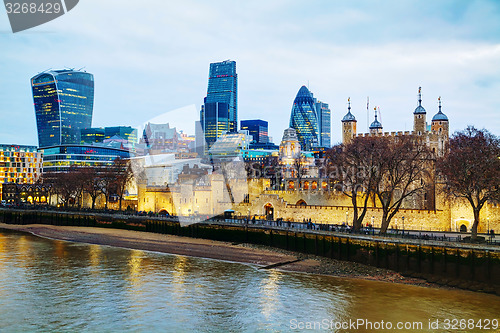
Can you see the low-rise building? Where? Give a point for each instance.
(19, 164)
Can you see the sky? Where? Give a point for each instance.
(150, 60)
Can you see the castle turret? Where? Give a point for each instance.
(376, 126)
(440, 123)
(348, 125)
(440, 126)
(419, 116)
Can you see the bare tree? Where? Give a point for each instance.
(355, 168)
(63, 184)
(92, 183)
(403, 166)
(300, 166)
(471, 169)
(123, 176)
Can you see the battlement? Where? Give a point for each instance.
(386, 134)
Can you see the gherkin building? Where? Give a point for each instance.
(304, 119)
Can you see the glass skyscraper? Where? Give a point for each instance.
(214, 119)
(323, 114)
(304, 119)
(63, 100)
(223, 88)
(257, 128)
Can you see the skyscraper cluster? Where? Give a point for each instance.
(310, 117)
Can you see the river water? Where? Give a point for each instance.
(48, 285)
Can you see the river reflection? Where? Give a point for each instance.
(48, 285)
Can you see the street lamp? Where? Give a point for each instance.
(488, 231)
(346, 217)
(403, 218)
(372, 226)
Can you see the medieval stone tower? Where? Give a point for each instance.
(419, 116)
(348, 125)
(440, 131)
(376, 126)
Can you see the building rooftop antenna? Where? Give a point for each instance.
(368, 113)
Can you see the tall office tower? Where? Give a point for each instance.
(64, 100)
(323, 114)
(304, 120)
(215, 121)
(257, 128)
(223, 88)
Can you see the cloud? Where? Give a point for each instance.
(149, 58)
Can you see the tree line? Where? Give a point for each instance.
(390, 170)
(71, 186)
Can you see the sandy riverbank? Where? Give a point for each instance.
(242, 253)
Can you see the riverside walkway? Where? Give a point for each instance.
(416, 237)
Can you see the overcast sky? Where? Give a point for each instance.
(151, 57)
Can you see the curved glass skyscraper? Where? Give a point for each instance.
(64, 100)
(304, 119)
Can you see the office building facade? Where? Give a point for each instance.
(63, 101)
(257, 128)
(304, 119)
(19, 164)
(92, 135)
(223, 88)
(61, 158)
(215, 121)
(323, 114)
(100, 134)
(125, 132)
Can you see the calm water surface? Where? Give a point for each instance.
(48, 285)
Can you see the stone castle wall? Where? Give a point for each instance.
(318, 206)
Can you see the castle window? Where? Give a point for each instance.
(419, 116)
(440, 130)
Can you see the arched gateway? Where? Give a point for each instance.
(269, 211)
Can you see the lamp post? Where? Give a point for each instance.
(403, 218)
(488, 231)
(346, 217)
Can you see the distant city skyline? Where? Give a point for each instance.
(340, 50)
